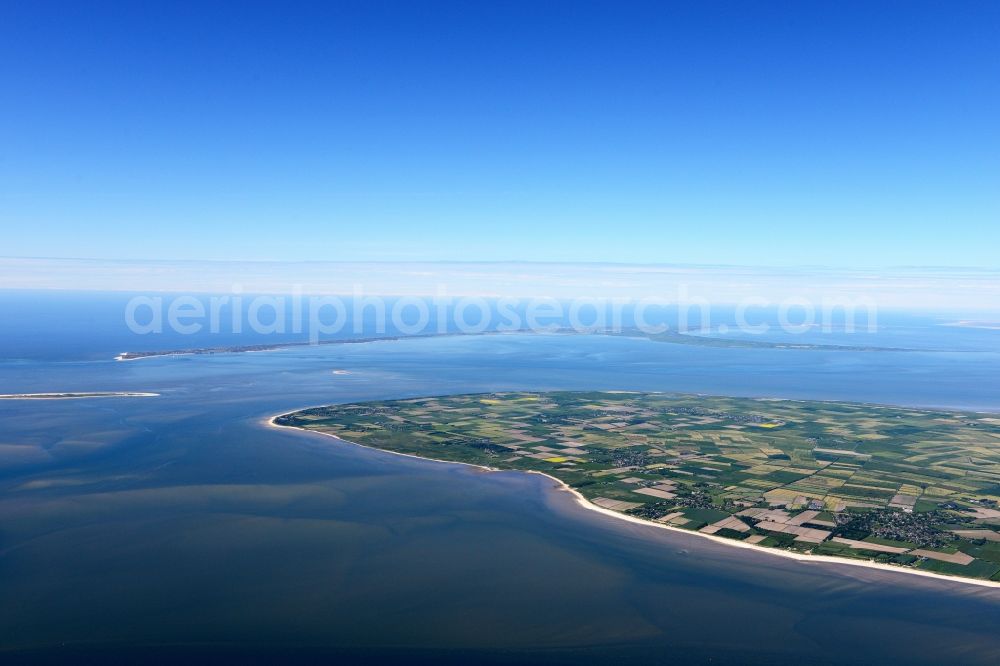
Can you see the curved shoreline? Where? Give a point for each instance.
(586, 504)
(668, 337)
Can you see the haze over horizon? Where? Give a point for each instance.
(968, 290)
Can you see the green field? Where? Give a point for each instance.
(917, 488)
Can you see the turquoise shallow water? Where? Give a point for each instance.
(181, 522)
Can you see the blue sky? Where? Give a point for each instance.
(760, 133)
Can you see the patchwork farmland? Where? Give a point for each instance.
(915, 488)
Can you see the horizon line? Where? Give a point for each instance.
(501, 262)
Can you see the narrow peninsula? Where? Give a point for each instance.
(689, 338)
(75, 396)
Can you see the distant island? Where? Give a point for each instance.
(74, 396)
(910, 488)
(236, 349)
(968, 323)
(689, 338)
(673, 337)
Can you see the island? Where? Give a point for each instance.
(75, 396)
(685, 337)
(911, 488)
(243, 349)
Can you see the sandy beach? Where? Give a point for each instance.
(75, 396)
(583, 502)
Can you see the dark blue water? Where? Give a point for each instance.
(180, 522)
